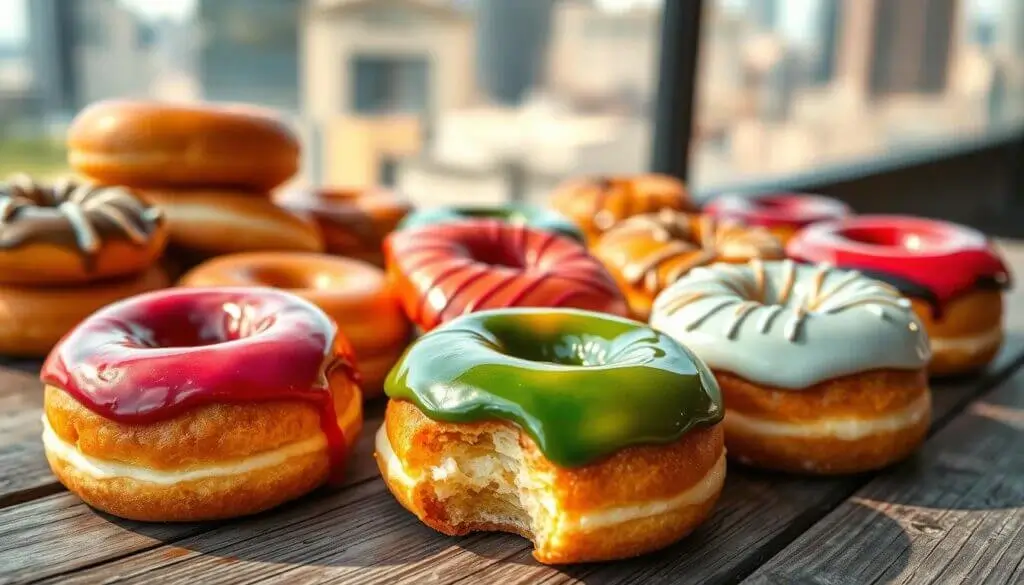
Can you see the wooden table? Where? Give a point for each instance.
(953, 513)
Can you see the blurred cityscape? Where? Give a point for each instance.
(481, 100)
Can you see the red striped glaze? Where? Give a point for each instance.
(941, 258)
(156, 356)
(794, 210)
(443, 271)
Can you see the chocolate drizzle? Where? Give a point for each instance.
(911, 289)
(68, 213)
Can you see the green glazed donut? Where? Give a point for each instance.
(532, 217)
(584, 385)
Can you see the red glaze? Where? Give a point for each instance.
(944, 259)
(443, 271)
(792, 210)
(158, 355)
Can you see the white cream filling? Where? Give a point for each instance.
(846, 429)
(103, 469)
(700, 492)
(968, 345)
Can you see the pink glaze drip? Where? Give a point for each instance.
(945, 259)
(158, 355)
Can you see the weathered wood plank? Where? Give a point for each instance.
(24, 473)
(954, 515)
(58, 534)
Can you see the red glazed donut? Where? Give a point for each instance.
(783, 214)
(195, 404)
(445, 270)
(951, 273)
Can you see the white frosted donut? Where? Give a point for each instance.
(791, 325)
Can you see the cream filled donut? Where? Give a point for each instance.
(821, 370)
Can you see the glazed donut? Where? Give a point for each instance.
(71, 232)
(822, 370)
(515, 420)
(783, 214)
(199, 404)
(951, 273)
(351, 292)
(646, 253)
(33, 319)
(212, 223)
(598, 203)
(153, 144)
(442, 271)
(354, 222)
(532, 217)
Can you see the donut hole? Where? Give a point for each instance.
(279, 277)
(776, 202)
(503, 256)
(183, 330)
(893, 237)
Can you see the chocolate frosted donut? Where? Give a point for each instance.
(72, 232)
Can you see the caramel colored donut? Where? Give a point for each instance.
(598, 203)
(181, 426)
(952, 273)
(211, 223)
(646, 253)
(152, 144)
(33, 319)
(352, 293)
(354, 222)
(515, 420)
(71, 233)
(822, 370)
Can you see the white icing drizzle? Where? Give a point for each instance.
(791, 325)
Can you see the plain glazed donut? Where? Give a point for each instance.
(516, 420)
(153, 144)
(353, 222)
(212, 223)
(351, 292)
(442, 271)
(33, 319)
(951, 273)
(70, 232)
(783, 214)
(598, 203)
(821, 370)
(646, 253)
(199, 404)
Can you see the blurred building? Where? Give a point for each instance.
(512, 42)
(375, 74)
(249, 51)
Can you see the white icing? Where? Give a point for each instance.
(104, 469)
(842, 428)
(700, 492)
(791, 325)
(970, 345)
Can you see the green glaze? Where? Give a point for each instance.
(584, 385)
(532, 217)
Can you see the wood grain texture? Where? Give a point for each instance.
(24, 473)
(953, 515)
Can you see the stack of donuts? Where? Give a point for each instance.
(580, 372)
(210, 168)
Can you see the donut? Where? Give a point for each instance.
(598, 203)
(442, 271)
(354, 222)
(71, 233)
(822, 370)
(515, 420)
(199, 404)
(951, 273)
(351, 292)
(783, 214)
(537, 218)
(646, 253)
(153, 144)
(207, 223)
(33, 319)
